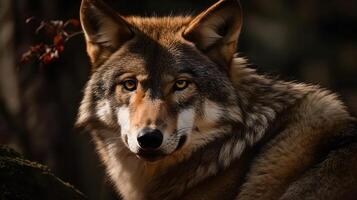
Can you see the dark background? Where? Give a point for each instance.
(313, 41)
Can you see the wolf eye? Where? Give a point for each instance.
(129, 85)
(181, 85)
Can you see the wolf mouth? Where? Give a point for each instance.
(150, 156)
(154, 155)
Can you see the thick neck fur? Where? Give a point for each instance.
(261, 100)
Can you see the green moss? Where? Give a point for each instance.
(21, 179)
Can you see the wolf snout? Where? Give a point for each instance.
(150, 139)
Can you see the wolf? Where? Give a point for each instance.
(176, 113)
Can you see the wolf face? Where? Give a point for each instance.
(160, 86)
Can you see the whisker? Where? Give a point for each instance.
(182, 131)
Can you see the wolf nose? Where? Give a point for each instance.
(149, 139)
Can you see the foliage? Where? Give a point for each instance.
(57, 32)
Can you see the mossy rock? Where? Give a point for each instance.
(21, 179)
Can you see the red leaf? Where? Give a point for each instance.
(60, 48)
(72, 22)
(46, 58)
(58, 40)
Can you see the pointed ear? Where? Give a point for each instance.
(104, 29)
(216, 30)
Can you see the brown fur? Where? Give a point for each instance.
(249, 136)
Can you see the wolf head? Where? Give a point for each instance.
(160, 86)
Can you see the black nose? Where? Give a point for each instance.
(149, 139)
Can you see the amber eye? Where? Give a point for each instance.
(181, 84)
(129, 84)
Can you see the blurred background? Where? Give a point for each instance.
(313, 41)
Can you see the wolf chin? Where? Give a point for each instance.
(175, 113)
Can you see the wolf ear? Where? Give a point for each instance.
(104, 29)
(216, 30)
